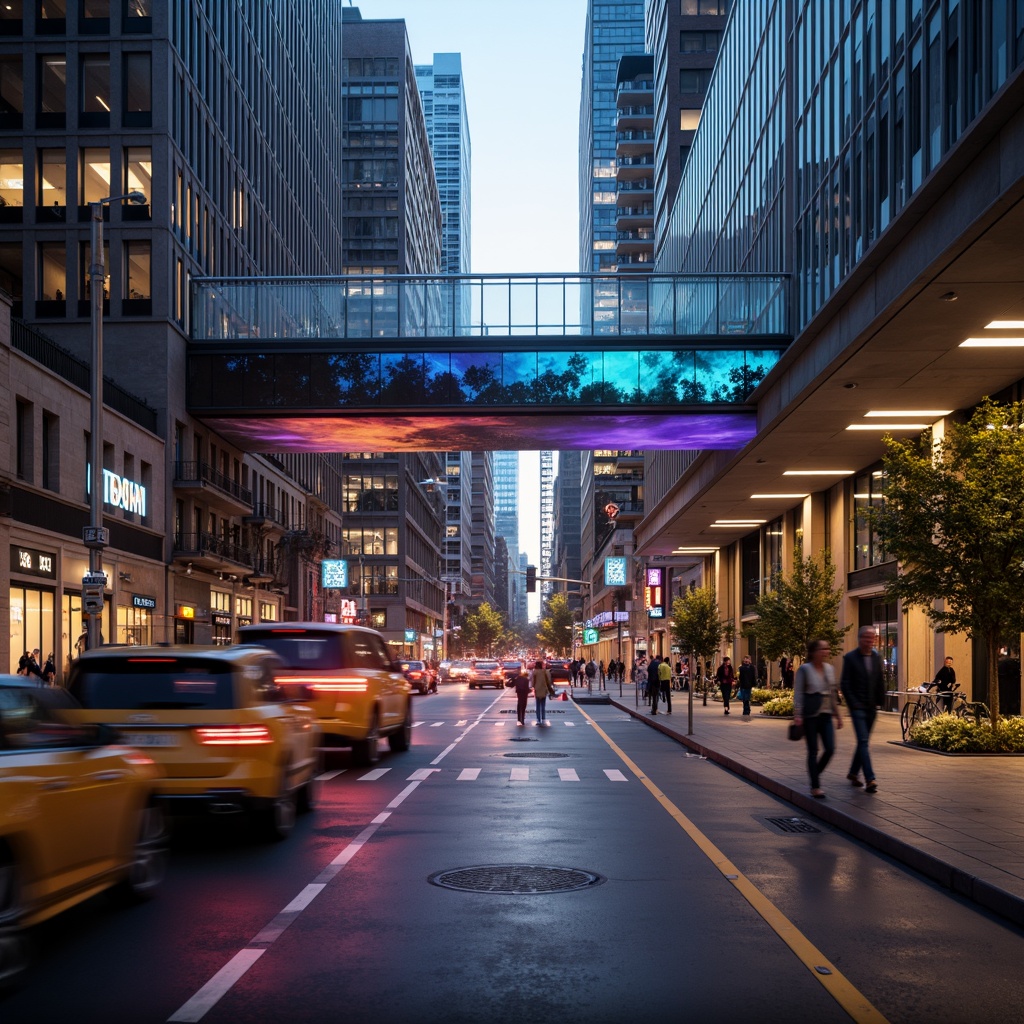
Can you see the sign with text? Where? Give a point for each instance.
(654, 592)
(334, 574)
(591, 636)
(615, 571)
(31, 562)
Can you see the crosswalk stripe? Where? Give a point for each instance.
(570, 724)
(372, 776)
(469, 775)
(568, 775)
(422, 773)
(461, 722)
(519, 775)
(615, 775)
(434, 725)
(414, 724)
(499, 724)
(327, 776)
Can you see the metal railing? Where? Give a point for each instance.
(188, 472)
(207, 544)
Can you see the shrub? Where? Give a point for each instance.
(779, 705)
(761, 694)
(965, 736)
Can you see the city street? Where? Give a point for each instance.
(677, 891)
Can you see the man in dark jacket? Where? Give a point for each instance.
(653, 683)
(747, 681)
(863, 688)
(521, 682)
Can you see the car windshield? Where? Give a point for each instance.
(486, 666)
(416, 666)
(153, 683)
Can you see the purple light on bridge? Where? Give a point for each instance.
(583, 430)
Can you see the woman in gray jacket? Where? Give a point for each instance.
(540, 680)
(816, 707)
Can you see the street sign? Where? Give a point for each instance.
(94, 579)
(92, 598)
(96, 536)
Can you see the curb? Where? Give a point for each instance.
(998, 901)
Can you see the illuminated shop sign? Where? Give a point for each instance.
(334, 574)
(349, 610)
(31, 562)
(615, 571)
(139, 601)
(654, 593)
(120, 492)
(186, 611)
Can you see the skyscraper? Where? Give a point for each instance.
(614, 28)
(506, 518)
(444, 111)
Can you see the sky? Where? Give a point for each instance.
(521, 65)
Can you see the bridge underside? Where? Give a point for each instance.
(462, 430)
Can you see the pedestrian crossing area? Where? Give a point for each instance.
(532, 773)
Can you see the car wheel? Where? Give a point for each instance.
(366, 753)
(14, 949)
(401, 740)
(149, 858)
(278, 818)
(305, 799)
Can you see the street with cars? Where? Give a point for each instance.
(592, 869)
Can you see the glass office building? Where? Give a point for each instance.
(615, 28)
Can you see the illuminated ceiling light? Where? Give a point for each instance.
(732, 526)
(888, 426)
(866, 496)
(801, 494)
(694, 551)
(992, 343)
(102, 103)
(1004, 325)
(818, 472)
(908, 412)
(740, 522)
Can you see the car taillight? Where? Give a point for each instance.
(234, 735)
(414, 675)
(328, 684)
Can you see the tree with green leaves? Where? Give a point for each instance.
(698, 627)
(555, 630)
(483, 629)
(801, 607)
(953, 516)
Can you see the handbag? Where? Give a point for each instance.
(796, 732)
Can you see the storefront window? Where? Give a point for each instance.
(268, 612)
(868, 489)
(134, 626)
(32, 624)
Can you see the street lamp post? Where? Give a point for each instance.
(95, 535)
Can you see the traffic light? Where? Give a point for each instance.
(531, 579)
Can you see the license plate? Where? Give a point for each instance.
(149, 739)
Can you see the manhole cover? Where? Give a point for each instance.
(791, 826)
(521, 739)
(515, 879)
(534, 753)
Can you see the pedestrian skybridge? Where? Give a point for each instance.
(484, 362)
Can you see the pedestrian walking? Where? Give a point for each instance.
(725, 677)
(600, 674)
(863, 688)
(521, 682)
(747, 681)
(49, 669)
(540, 680)
(653, 684)
(34, 669)
(591, 672)
(665, 684)
(816, 707)
(574, 670)
(946, 679)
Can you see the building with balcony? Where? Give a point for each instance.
(206, 111)
(634, 164)
(614, 29)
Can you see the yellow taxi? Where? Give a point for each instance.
(227, 736)
(359, 693)
(76, 815)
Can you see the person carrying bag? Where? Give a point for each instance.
(816, 708)
(540, 680)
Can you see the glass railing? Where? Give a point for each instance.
(481, 306)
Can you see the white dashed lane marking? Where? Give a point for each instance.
(374, 775)
(519, 775)
(469, 774)
(615, 775)
(568, 775)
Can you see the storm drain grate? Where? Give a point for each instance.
(521, 739)
(791, 826)
(534, 753)
(515, 879)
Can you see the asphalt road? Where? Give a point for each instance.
(693, 904)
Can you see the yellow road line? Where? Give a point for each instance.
(854, 1002)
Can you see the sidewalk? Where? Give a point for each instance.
(958, 819)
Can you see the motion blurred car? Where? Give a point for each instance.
(460, 670)
(510, 669)
(358, 692)
(420, 675)
(77, 815)
(229, 738)
(486, 673)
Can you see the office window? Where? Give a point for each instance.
(52, 271)
(11, 14)
(52, 196)
(51, 17)
(699, 42)
(11, 279)
(138, 15)
(84, 278)
(137, 270)
(51, 451)
(138, 170)
(138, 90)
(704, 6)
(94, 176)
(52, 104)
(12, 184)
(95, 91)
(12, 92)
(689, 119)
(93, 17)
(694, 80)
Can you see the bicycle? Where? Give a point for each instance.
(926, 707)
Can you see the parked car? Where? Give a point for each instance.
(77, 815)
(358, 693)
(421, 676)
(486, 673)
(228, 737)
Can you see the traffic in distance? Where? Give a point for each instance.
(91, 775)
